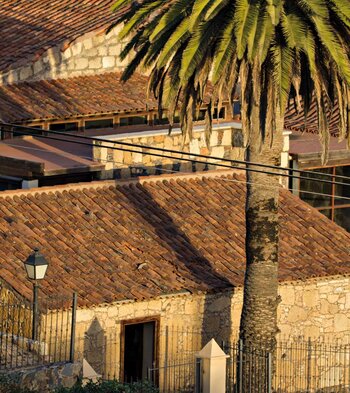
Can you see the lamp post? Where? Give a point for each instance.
(36, 266)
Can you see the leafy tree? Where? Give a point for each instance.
(277, 52)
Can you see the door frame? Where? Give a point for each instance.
(135, 321)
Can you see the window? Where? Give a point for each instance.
(132, 120)
(96, 124)
(324, 196)
(202, 112)
(64, 127)
(236, 108)
(165, 119)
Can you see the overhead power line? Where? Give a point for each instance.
(313, 173)
(218, 164)
(173, 171)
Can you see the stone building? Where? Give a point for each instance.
(153, 254)
(57, 39)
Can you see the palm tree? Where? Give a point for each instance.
(279, 51)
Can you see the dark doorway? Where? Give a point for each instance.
(139, 350)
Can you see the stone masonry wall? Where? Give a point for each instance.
(91, 53)
(225, 142)
(316, 308)
(43, 379)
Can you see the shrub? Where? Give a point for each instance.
(111, 387)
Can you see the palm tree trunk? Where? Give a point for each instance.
(259, 315)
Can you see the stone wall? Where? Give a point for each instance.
(318, 308)
(91, 53)
(226, 142)
(42, 379)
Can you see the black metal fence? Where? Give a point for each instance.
(298, 365)
(32, 336)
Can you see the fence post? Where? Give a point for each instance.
(35, 310)
(269, 372)
(213, 368)
(166, 354)
(72, 333)
(240, 366)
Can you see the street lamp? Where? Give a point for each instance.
(36, 266)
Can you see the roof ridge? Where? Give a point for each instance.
(118, 182)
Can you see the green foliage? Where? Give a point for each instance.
(281, 51)
(111, 387)
(8, 385)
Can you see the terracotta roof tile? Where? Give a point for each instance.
(79, 96)
(296, 121)
(29, 28)
(189, 233)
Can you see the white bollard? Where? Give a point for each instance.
(213, 368)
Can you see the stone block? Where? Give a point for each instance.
(81, 63)
(297, 314)
(102, 51)
(98, 39)
(312, 331)
(88, 43)
(213, 139)
(310, 298)
(218, 151)
(12, 76)
(218, 305)
(95, 63)
(341, 323)
(108, 61)
(114, 50)
(77, 48)
(194, 146)
(288, 295)
(54, 56)
(38, 66)
(227, 137)
(25, 73)
(91, 52)
(66, 54)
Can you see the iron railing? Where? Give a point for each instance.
(298, 365)
(49, 340)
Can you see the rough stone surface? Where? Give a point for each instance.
(45, 379)
(125, 160)
(217, 315)
(85, 56)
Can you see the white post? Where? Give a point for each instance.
(213, 368)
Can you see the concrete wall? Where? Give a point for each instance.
(91, 53)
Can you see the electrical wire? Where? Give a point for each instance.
(312, 173)
(180, 158)
(172, 171)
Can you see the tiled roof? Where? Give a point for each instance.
(79, 96)
(297, 122)
(29, 28)
(136, 240)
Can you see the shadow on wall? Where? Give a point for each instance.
(95, 342)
